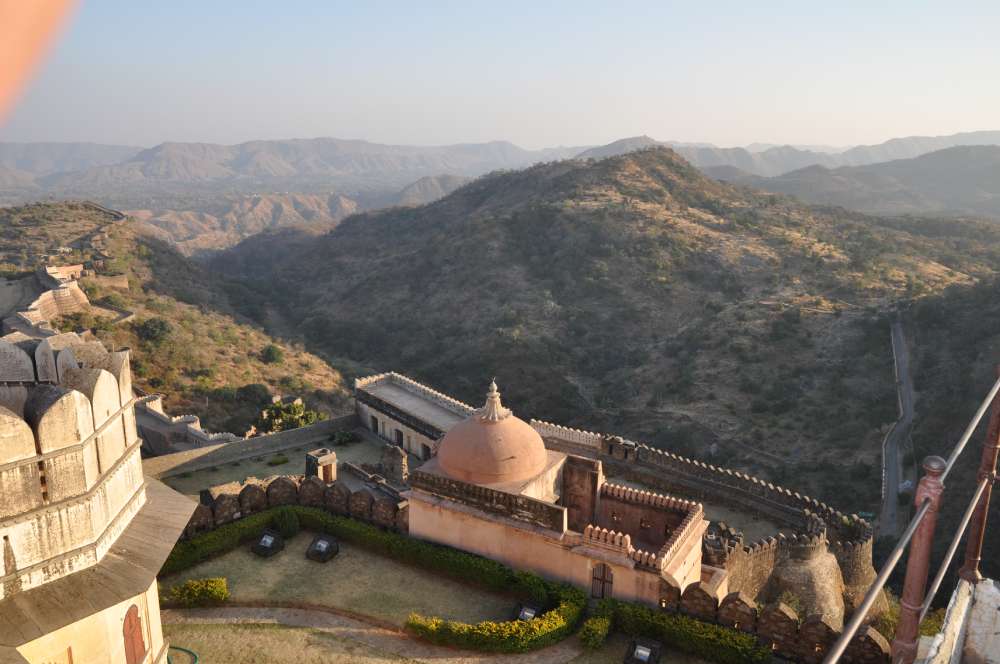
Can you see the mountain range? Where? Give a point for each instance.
(354, 166)
(777, 160)
(954, 181)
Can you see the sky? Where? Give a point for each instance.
(538, 74)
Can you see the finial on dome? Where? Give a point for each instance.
(493, 410)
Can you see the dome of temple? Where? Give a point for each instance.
(492, 446)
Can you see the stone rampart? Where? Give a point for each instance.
(163, 433)
(848, 537)
(781, 628)
(218, 454)
(374, 501)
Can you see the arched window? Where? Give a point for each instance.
(135, 646)
(601, 581)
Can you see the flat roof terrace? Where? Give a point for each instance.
(414, 403)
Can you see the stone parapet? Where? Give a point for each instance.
(587, 439)
(514, 506)
(443, 400)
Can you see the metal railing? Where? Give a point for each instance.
(915, 601)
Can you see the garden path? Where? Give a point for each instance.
(376, 635)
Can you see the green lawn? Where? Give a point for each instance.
(356, 580)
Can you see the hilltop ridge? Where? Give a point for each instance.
(631, 293)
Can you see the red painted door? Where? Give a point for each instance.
(135, 646)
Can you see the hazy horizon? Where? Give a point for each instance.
(569, 74)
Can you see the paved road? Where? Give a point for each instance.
(891, 459)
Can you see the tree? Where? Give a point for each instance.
(272, 354)
(280, 416)
(153, 331)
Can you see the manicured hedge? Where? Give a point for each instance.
(286, 522)
(510, 636)
(594, 632)
(706, 640)
(199, 592)
(188, 553)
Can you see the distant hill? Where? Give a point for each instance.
(295, 165)
(39, 159)
(768, 161)
(429, 189)
(631, 294)
(233, 218)
(954, 181)
(619, 147)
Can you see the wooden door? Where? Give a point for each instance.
(601, 581)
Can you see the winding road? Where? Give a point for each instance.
(900, 433)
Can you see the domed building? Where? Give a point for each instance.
(493, 488)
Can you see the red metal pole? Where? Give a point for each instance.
(987, 469)
(904, 646)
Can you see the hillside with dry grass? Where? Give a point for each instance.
(637, 296)
(204, 357)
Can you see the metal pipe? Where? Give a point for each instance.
(943, 570)
(873, 592)
(971, 428)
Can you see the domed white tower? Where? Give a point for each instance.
(82, 532)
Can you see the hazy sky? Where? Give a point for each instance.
(536, 73)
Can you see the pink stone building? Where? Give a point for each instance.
(494, 489)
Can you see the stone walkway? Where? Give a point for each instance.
(377, 636)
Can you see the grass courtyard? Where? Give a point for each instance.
(355, 580)
(257, 643)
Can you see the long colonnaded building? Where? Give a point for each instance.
(83, 532)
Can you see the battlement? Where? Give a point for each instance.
(797, 510)
(568, 434)
(607, 538)
(642, 497)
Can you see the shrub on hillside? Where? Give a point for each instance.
(199, 592)
(153, 331)
(272, 354)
